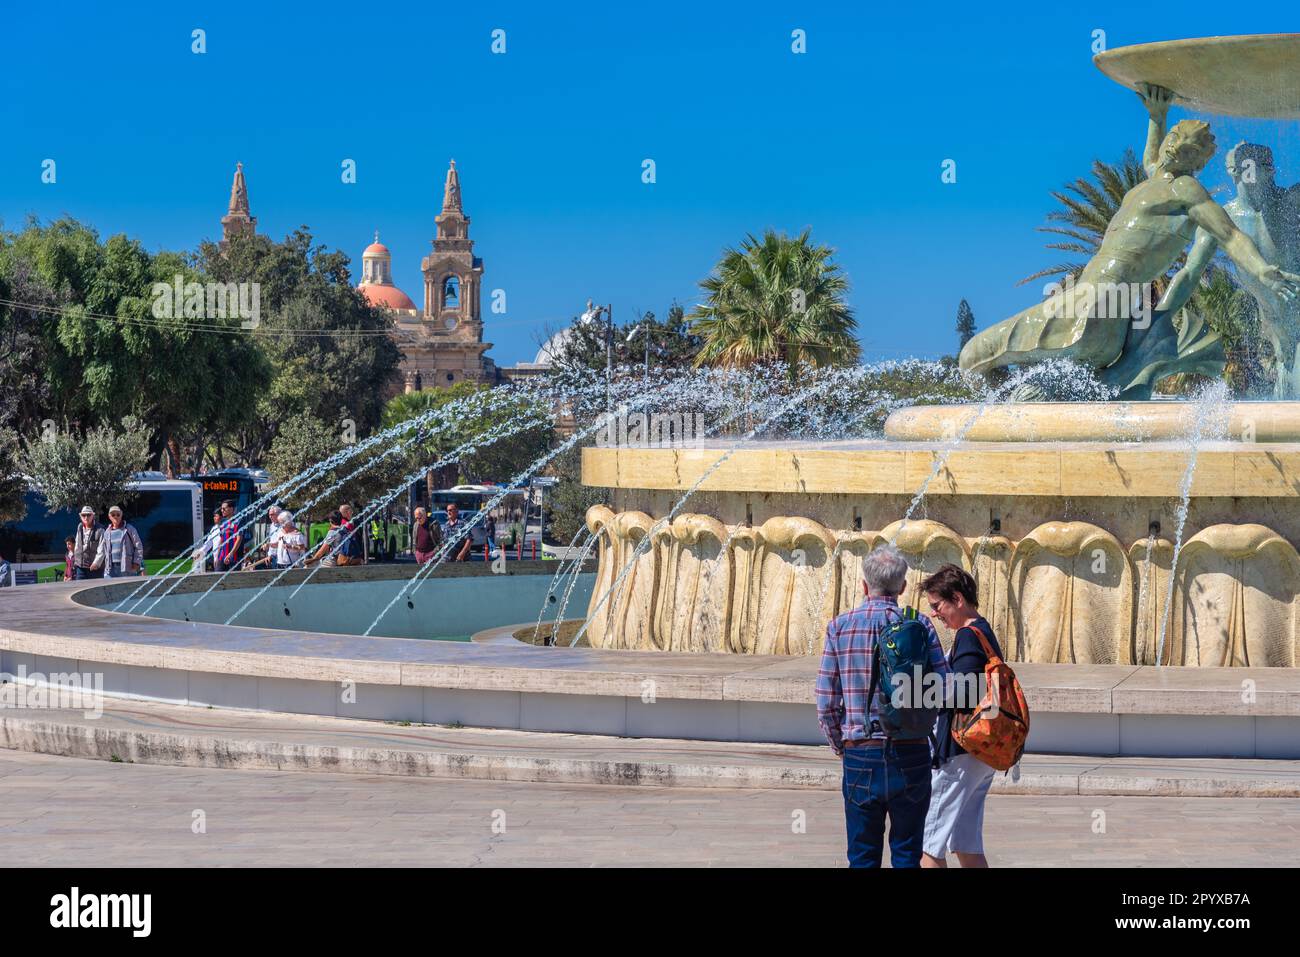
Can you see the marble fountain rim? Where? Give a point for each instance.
(49, 623)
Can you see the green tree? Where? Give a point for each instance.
(567, 502)
(1231, 311)
(92, 468)
(85, 329)
(12, 485)
(499, 460)
(330, 351)
(965, 324)
(301, 441)
(778, 299)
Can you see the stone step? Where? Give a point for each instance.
(152, 733)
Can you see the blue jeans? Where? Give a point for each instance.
(892, 780)
(80, 574)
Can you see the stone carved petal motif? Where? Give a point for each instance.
(624, 620)
(1150, 559)
(1235, 599)
(853, 547)
(741, 636)
(691, 614)
(599, 520)
(795, 586)
(1072, 595)
(991, 565)
(926, 545)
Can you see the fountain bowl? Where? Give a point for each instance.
(1255, 75)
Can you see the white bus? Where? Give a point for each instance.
(168, 514)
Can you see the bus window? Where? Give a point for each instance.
(164, 513)
(164, 521)
(39, 536)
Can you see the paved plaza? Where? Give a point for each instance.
(68, 811)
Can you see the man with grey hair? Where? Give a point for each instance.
(886, 773)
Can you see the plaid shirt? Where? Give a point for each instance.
(845, 672)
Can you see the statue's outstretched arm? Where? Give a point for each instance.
(1184, 282)
(1211, 217)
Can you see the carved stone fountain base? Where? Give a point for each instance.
(1071, 542)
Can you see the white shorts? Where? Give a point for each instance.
(955, 821)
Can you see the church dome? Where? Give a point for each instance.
(377, 279)
(553, 349)
(386, 296)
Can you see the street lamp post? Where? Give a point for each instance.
(609, 352)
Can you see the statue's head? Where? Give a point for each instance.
(1187, 147)
(1251, 167)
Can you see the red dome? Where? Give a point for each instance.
(377, 249)
(387, 297)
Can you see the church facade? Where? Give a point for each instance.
(441, 339)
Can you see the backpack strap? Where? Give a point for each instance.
(871, 686)
(875, 664)
(988, 648)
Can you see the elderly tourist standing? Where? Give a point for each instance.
(960, 783)
(120, 550)
(86, 545)
(886, 754)
(426, 535)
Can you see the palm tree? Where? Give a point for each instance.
(778, 299)
(1231, 311)
(1088, 212)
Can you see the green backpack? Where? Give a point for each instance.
(900, 662)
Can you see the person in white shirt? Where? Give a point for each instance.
(272, 544)
(290, 544)
(205, 554)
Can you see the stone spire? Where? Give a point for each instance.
(451, 192)
(452, 223)
(238, 221)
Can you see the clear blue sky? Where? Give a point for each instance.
(847, 138)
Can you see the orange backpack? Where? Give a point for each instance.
(996, 730)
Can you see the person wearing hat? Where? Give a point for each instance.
(120, 550)
(86, 546)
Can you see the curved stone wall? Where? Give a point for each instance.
(1066, 592)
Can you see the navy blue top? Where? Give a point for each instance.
(965, 657)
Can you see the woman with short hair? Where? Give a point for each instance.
(959, 783)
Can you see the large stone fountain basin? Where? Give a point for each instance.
(1256, 75)
(1086, 552)
(1102, 709)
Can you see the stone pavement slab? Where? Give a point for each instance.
(69, 812)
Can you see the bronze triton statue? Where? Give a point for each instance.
(1270, 215)
(1092, 319)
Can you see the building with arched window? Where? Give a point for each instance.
(442, 343)
(441, 340)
